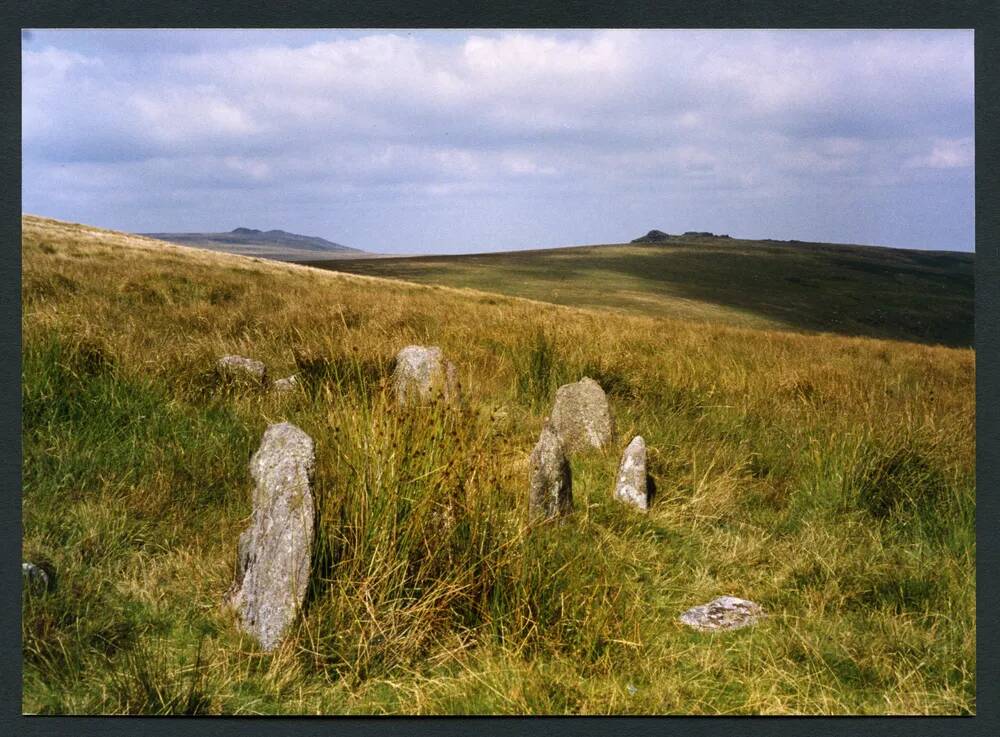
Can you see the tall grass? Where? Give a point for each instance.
(837, 493)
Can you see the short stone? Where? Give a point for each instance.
(724, 613)
(581, 415)
(285, 385)
(241, 366)
(274, 553)
(551, 484)
(421, 372)
(37, 579)
(631, 485)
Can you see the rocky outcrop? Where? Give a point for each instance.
(653, 236)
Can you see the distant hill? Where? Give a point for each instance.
(899, 294)
(274, 244)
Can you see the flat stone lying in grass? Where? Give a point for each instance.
(631, 485)
(37, 580)
(551, 486)
(274, 553)
(242, 367)
(421, 372)
(724, 613)
(581, 415)
(285, 385)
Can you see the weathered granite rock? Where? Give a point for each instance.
(421, 372)
(242, 367)
(38, 579)
(631, 485)
(274, 553)
(551, 483)
(581, 415)
(653, 236)
(724, 613)
(285, 385)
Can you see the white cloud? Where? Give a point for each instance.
(547, 116)
(947, 154)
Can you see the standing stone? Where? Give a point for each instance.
(422, 371)
(631, 485)
(581, 415)
(724, 613)
(551, 486)
(274, 553)
(286, 385)
(242, 367)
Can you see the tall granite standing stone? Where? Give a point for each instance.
(551, 484)
(631, 485)
(581, 415)
(274, 553)
(241, 367)
(421, 372)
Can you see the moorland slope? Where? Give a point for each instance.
(830, 479)
(893, 293)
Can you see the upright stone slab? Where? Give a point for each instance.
(421, 372)
(243, 368)
(551, 484)
(274, 553)
(631, 485)
(581, 415)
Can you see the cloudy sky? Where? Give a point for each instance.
(458, 141)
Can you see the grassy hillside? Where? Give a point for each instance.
(923, 296)
(838, 493)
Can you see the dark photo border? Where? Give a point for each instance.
(980, 15)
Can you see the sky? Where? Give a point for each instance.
(459, 141)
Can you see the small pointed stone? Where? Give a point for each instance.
(631, 485)
(551, 486)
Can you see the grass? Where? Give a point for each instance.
(838, 493)
(887, 293)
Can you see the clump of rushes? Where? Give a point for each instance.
(538, 367)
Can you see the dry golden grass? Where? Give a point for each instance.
(829, 478)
